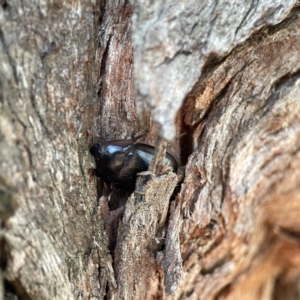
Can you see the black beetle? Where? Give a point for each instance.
(119, 161)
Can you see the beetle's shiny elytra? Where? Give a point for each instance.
(119, 161)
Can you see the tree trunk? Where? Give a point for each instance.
(225, 74)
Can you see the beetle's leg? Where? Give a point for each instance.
(129, 149)
(180, 136)
(138, 135)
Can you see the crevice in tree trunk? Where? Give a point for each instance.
(14, 291)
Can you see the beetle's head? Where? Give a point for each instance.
(96, 151)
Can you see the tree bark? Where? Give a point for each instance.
(226, 75)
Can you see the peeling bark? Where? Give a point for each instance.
(140, 236)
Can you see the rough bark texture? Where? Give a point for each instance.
(172, 40)
(247, 165)
(140, 237)
(47, 77)
(67, 79)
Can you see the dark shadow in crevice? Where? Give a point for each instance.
(280, 86)
(222, 294)
(186, 141)
(13, 290)
(5, 5)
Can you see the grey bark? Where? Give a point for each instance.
(219, 72)
(173, 40)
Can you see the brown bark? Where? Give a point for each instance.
(243, 184)
(67, 79)
(48, 74)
